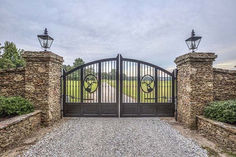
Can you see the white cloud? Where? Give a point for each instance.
(152, 30)
(227, 65)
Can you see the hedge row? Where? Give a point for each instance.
(13, 106)
(223, 111)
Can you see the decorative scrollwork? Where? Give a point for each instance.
(90, 83)
(147, 83)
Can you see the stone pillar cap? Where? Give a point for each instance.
(39, 56)
(195, 57)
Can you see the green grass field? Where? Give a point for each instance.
(73, 90)
(164, 91)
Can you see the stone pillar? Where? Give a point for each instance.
(42, 83)
(195, 85)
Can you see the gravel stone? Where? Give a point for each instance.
(105, 137)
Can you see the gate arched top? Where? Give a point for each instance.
(146, 63)
(90, 63)
(125, 59)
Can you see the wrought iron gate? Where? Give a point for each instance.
(118, 86)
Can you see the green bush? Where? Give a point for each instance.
(12, 106)
(223, 111)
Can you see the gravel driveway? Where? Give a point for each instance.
(109, 137)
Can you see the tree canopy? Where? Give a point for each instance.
(77, 62)
(10, 56)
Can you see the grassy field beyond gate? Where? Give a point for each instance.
(130, 88)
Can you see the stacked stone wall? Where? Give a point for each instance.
(199, 84)
(183, 94)
(55, 90)
(38, 81)
(224, 84)
(14, 130)
(42, 76)
(195, 85)
(12, 82)
(221, 133)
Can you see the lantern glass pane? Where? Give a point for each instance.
(40, 41)
(188, 44)
(45, 41)
(193, 45)
(49, 43)
(197, 43)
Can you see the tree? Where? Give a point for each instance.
(11, 56)
(77, 62)
(67, 67)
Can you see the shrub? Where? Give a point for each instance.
(223, 111)
(12, 106)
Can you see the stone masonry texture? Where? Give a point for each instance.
(42, 83)
(224, 84)
(12, 82)
(15, 129)
(195, 85)
(38, 81)
(221, 133)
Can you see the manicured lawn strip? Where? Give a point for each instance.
(129, 89)
(73, 91)
(162, 93)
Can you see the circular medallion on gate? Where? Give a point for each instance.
(90, 83)
(147, 83)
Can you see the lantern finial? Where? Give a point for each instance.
(45, 31)
(193, 33)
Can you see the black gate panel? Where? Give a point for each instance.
(92, 89)
(118, 86)
(146, 89)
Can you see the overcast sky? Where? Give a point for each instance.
(149, 30)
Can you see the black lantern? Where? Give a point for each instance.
(45, 40)
(193, 41)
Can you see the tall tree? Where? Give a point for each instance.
(77, 62)
(11, 56)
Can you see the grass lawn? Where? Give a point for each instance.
(164, 91)
(73, 91)
(130, 88)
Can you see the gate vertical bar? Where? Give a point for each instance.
(117, 83)
(138, 88)
(81, 89)
(99, 87)
(121, 84)
(173, 90)
(64, 91)
(176, 91)
(156, 85)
